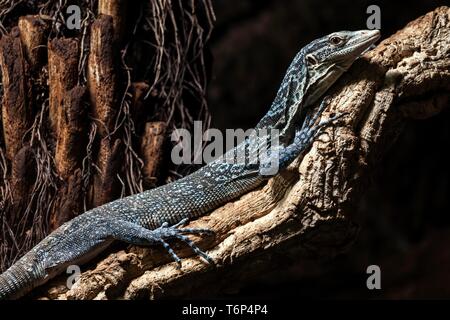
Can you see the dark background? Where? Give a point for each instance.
(405, 215)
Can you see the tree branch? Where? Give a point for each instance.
(307, 209)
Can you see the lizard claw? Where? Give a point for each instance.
(184, 222)
(197, 231)
(169, 232)
(171, 252)
(181, 223)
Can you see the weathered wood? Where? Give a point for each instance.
(16, 108)
(70, 200)
(139, 105)
(106, 183)
(152, 151)
(63, 57)
(102, 76)
(117, 9)
(72, 135)
(33, 33)
(23, 175)
(308, 208)
(103, 92)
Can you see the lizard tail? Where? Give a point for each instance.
(18, 280)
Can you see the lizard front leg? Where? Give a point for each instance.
(279, 157)
(136, 234)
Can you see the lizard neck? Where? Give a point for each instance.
(289, 99)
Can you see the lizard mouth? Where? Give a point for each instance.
(372, 37)
(361, 42)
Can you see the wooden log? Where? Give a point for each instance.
(117, 9)
(152, 151)
(72, 135)
(23, 175)
(33, 33)
(138, 105)
(62, 75)
(102, 76)
(70, 200)
(106, 183)
(16, 108)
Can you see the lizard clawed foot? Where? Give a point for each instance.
(174, 232)
(184, 222)
(307, 135)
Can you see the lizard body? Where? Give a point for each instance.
(152, 217)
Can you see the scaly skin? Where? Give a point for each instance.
(145, 218)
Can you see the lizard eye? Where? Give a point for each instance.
(311, 59)
(336, 40)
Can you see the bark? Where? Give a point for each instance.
(69, 203)
(33, 33)
(69, 154)
(101, 75)
(23, 174)
(308, 209)
(71, 141)
(62, 75)
(103, 90)
(106, 182)
(117, 9)
(152, 151)
(16, 109)
(139, 105)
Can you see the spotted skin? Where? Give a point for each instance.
(157, 215)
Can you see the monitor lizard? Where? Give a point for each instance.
(154, 216)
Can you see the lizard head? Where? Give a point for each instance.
(327, 58)
(312, 72)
